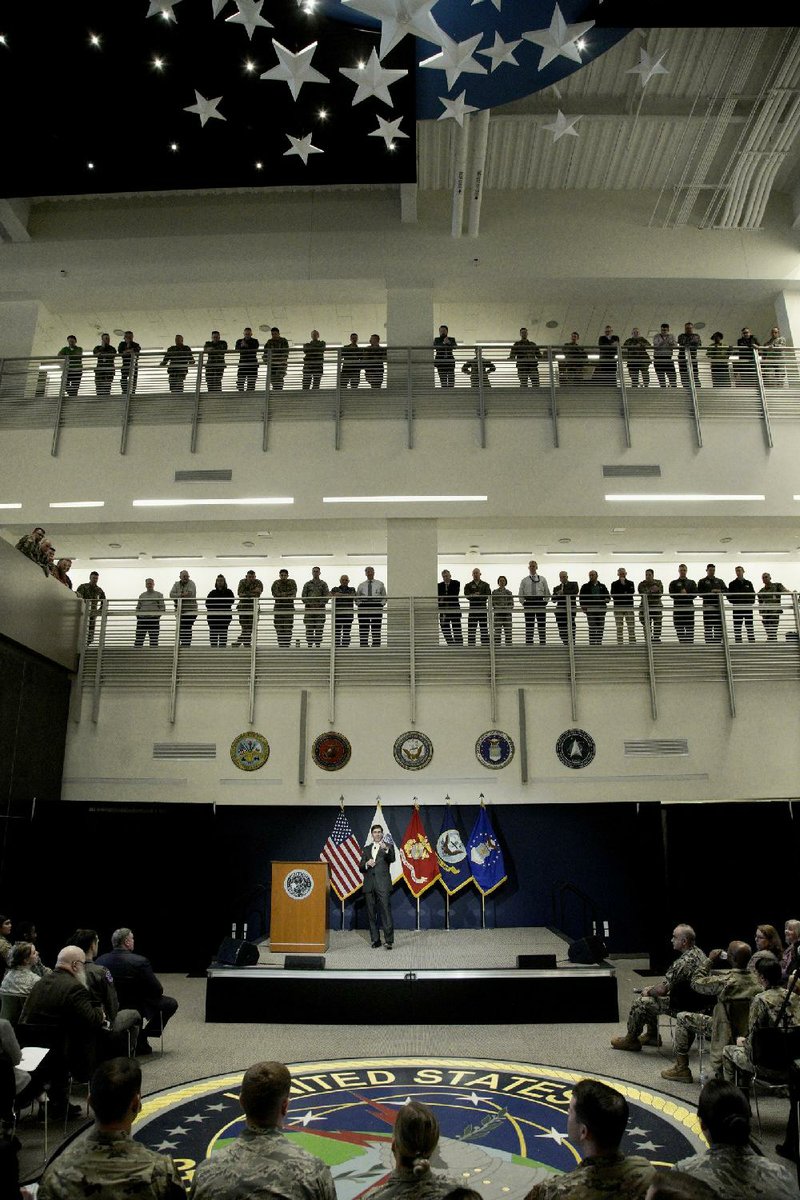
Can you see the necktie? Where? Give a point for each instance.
(369, 588)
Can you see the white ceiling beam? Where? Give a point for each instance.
(14, 220)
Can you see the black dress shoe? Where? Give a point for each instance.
(143, 1048)
(389, 945)
(376, 945)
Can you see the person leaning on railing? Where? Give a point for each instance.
(214, 351)
(313, 361)
(635, 351)
(104, 371)
(177, 359)
(31, 546)
(74, 355)
(719, 355)
(526, 354)
(769, 604)
(773, 354)
(653, 589)
(149, 608)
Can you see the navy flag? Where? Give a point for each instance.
(485, 856)
(453, 866)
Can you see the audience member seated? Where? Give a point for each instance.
(124, 1021)
(765, 1008)
(9, 1048)
(5, 944)
(262, 1162)
(138, 987)
(105, 1163)
(789, 960)
(670, 995)
(20, 979)
(730, 1165)
(726, 976)
(768, 938)
(26, 931)
(414, 1140)
(596, 1121)
(61, 1000)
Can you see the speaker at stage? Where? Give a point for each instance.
(587, 950)
(235, 952)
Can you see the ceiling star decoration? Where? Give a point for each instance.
(455, 58)
(295, 69)
(558, 39)
(302, 147)
(217, 6)
(457, 109)
(372, 80)
(205, 109)
(562, 125)
(647, 67)
(501, 52)
(388, 130)
(163, 8)
(248, 14)
(398, 18)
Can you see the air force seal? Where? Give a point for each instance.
(575, 748)
(494, 749)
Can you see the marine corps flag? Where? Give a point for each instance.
(395, 868)
(484, 854)
(420, 865)
(454, 869)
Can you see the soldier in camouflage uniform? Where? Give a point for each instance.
(727, 978)
(314, 595)
(95, 595)
(31, 546)
(596, 1121)
(414, 1141)
(262, 1162)
(731, 1166)
(671, 993)
(284, 591)
(249, 590)
(105, 1160)
(737, 1062)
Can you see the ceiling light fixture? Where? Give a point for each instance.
(678, 497)
(404, 499)
(78, 504)
(208, 501)
(11, 504)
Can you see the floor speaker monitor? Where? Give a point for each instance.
(234, 952)
(305, 962)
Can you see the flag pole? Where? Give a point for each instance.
(417, 914)
(446, 909)
(483, 911)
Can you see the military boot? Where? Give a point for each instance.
(680, 1071)
(649, 1036)
(626, 1042)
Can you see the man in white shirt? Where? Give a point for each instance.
(370, 602)
(534, 592)
(149, 608)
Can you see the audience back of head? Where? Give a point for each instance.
(725, 1113)
(265, 1087)
(416, 1136)
(603, 1110)
(113, 1088)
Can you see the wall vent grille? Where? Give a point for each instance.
(656, 747)
(194, 476)
(184, 750)
(632, 472)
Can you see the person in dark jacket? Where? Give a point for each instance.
(138, 987)
(219, 603)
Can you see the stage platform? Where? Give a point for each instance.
(438, 976)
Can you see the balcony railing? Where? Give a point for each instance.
(422, 645)
(58, 393)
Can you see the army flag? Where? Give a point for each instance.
(417, 857)
(395, 868)
(342, 853)
(485, 856)
(451, 854)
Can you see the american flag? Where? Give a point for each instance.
(342, 853)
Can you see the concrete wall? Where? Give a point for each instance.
(35, 611)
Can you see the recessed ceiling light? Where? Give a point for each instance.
(78, 504)
(679, 497)
(115, 545)
(764, 553)
(551, 324)
(120, 558)
(619, 529)
(699, 324)
(11, 504)
(238, 557)
(179, 557)
(404, 499)
(305, 557)
(641, 553)
(207, 501)
(248, 543)
(565, 541)
(568, 553)
(723, 540)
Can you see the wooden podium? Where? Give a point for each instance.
(299, 908)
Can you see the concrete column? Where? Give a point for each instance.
(787, 316)
(19, 324)
(409, 316)
(412, 547)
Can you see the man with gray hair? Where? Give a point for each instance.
(262, 1162)
(61, 1000)
(138, 987)
(669, 995)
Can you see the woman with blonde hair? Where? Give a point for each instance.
(415, 1138)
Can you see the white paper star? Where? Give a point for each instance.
(388, 130)
(248, 13)
(296, 69)
(372, 80)
(562, 125)
(399, 17)
(647, 67)
(205, 109)
(455, 58)
(163, 8)
(217, 7)
(559, 39)
(500, 52)
(302, 147)
(456, 109)
(496, 3)
(554, 1135)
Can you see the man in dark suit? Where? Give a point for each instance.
(138, 987)
(376, 858)
(450, 610)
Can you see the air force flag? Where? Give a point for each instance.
(485, 856)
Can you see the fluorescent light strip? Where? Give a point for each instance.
(569, 553)
(676, 497)
(79, 504)
(404, 499)
(238, 557)
(10, 506)
(244, 501)
(701, 553)
(763, 553)
(304, 557)
(639, 553)
(178, 557)
(121, 558)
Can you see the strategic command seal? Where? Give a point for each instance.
(413, 750)
(494, 749)
(575, 748)
(331, 751)
(298, 884)
(249, 751)
(503, 1123)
